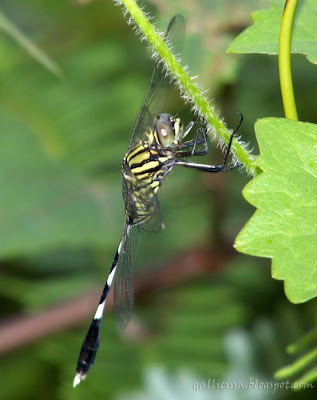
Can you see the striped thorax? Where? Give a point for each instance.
(146, 165)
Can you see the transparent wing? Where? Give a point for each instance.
(157, 95)
(123, 285)
(148, 199)
(155, 222)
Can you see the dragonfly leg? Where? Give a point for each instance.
(239, 124)
(199, 139)
(210, 168)
(189, 126)
(190, 143)
(229, 146)
(190, 153)
(203, 139)
(205, 167)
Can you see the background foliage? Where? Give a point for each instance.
(62, 143)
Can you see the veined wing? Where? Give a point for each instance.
(130, 242)
(123, 285)
(150, 202)
(157, 95)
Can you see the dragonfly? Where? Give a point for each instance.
(156, 146)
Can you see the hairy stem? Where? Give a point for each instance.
(187, 85)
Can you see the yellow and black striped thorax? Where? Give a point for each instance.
(144, 167)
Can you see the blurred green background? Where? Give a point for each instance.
(202, 310)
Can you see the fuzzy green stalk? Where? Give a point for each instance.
(188, 86)
(284, 60)
(297, 366)
(305, 381)
(303, 342)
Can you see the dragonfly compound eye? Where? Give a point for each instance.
(165, 130)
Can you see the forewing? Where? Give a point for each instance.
(148, 198)
(123, 286)
(155, 222)
(157, 95)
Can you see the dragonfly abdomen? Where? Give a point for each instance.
(91, 343)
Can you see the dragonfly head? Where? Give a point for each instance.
(168, 130)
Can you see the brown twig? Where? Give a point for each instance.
(20, 331)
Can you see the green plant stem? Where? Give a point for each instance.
(308, 378)
(297, 366)
(284, 60)
(188, 86)
(38, 54)
(303, 342)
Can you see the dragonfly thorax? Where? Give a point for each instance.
(168, 130)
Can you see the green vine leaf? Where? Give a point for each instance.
(263, 36)
(284, 227)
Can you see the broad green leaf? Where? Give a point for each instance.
(263, 36)
(10, 29)
(284, 227)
